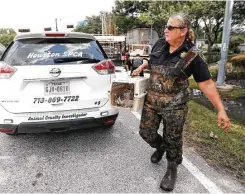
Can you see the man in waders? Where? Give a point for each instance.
(136, 62)
(172, 61)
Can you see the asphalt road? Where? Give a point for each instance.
(104, 160)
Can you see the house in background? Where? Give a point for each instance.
(242, 47)
(200, 43)
(141, 36)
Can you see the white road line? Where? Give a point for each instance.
(205, 181)
(7, 157)
(137, 115)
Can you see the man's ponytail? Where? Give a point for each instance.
(190, 35)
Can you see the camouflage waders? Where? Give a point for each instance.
(166, 100)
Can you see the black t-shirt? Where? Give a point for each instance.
(136, 62)
(198, 67)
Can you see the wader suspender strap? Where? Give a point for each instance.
(189, 57)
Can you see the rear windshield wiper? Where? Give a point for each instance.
(73, 59)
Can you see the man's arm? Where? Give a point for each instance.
(208, 87)
(128, 64)
(127, 67)
(140, 68)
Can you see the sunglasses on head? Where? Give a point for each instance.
(174, 27)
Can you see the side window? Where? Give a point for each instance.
(11, 54)
(95, 50)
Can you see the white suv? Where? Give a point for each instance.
(55, 82)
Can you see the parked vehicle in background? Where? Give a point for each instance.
(142, 49)
(112, 45)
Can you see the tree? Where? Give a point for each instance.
(238, 30)
(208, 13)
(212, 18)
(6, 36)
(158, 13)
(93, 25)
(207, 16)
(238, 13)
(211, 14)
(8, 31)
(126, 14)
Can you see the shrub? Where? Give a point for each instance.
(235, 76)
(238, 61)
(214, 57)
(237, 50)
(214, 73)
(234, 73)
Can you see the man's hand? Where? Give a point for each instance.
(209, 89)
(137, 71)
(223, 120)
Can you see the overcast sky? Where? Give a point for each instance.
(37, 14)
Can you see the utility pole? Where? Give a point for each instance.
(225, 41)
(102, 28)
(152, 22)
(104, 23)
(151, 42)
(56, 25)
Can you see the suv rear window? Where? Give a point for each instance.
(47, 51)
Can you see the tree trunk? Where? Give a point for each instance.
(195, 36)
(209, 52)
(159, 32)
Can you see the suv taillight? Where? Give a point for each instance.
(104, 67)
(6, 71)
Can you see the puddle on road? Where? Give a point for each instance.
(235, 108)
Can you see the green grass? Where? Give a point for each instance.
(227, 151)
(192, 83)
(235, 93)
